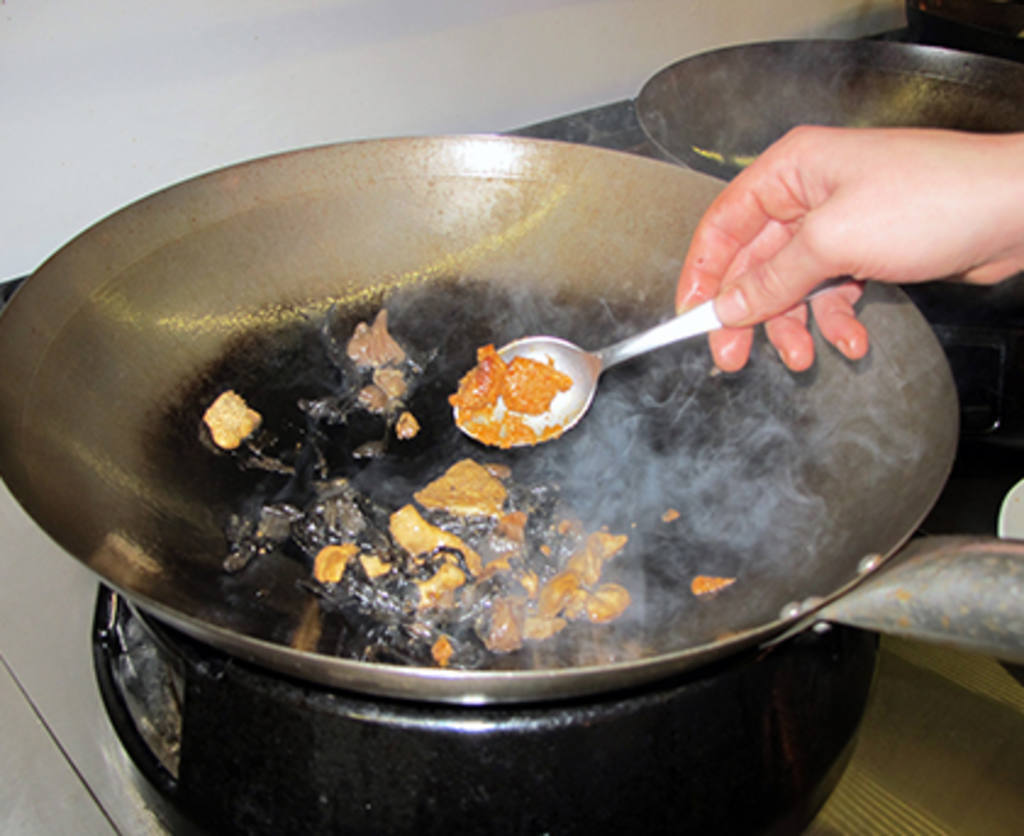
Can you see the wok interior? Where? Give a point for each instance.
(122, 339)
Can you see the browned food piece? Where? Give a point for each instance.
(569, 526)
(481, 386)
(391, 382)
(513, 526)
(530, 581)
(373, 399)
(331, 561)
(598, 548)
(442, 651)
(606, 543)
(556, 593)
(230, 421)
(574, 607)
(586, 564)
(671, 515)
(708, 584)
(418, 537)
(493, 567)
(407, 426)
(607, 602)
(371, 346)
(466, 489)
(374, 566)
(437, 589)
(506, 631)
(531, 386)
(539, 629)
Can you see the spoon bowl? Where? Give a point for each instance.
(586, 367)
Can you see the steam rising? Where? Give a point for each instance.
(781, 480)
(761, 465)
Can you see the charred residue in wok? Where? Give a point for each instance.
(734, 454)
(305, 479)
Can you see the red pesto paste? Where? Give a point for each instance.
(526, 387)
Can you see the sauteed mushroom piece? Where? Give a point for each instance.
(420, 538)
(230, 420)
(331, 562)
(709, 584)
(372, 347)
(465, 489)
(442, 651)
(407, 426)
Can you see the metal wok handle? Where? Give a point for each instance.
(964, 592)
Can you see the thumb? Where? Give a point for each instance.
(772, 286)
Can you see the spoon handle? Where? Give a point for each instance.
(699, 320)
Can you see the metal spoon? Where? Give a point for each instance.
(585, 367)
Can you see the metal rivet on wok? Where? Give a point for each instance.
(794, 609)
(811, 603)
(869, 563)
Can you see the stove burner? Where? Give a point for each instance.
(752, 745)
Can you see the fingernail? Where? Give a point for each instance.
(852, 349)
(690, 299)
(731, 306)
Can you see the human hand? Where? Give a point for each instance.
(890, 204)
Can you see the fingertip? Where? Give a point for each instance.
(730, 348)
(797, 358)
(693, 288)
(845, 332)
(853, 346)
(837, 319)
(795, 347)
(793, 342)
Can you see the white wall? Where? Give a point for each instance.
(106, 100)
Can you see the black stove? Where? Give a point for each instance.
(754, 745)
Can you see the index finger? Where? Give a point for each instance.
(731, 222)
(770, 189)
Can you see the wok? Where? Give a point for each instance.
(991, 28)
(798, 485)
(717, 110)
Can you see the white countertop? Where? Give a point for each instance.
(62, 768)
